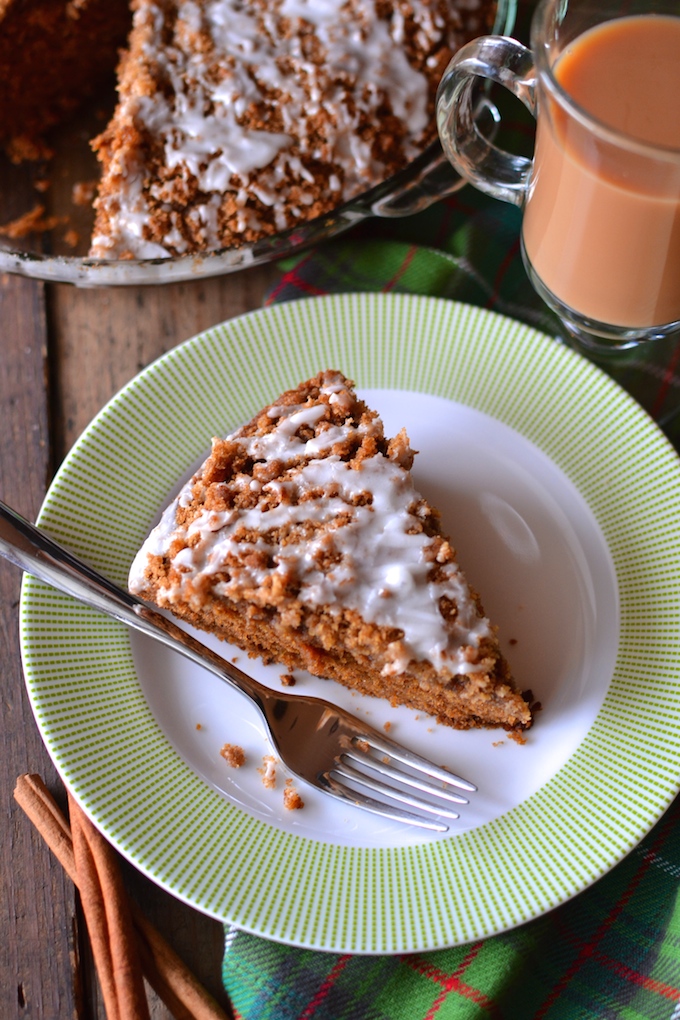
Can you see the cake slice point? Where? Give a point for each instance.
(302, 540)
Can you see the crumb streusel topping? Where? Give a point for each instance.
(239, 118)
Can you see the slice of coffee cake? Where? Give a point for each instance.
(302, 540)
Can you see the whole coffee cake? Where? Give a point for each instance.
(239, 119)
(303, 540)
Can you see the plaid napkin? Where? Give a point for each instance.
(613, 952)
(467, 249)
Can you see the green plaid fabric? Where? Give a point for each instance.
(612, 953)
(467, 248)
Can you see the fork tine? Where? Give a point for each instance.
(375, 742)
(376, 807)
(288, 717)
(389, 772)
(346, 771)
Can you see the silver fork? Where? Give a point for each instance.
(318, 742)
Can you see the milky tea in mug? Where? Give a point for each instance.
(601, 227)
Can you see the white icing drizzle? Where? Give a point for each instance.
(381, 569)
(227, 58)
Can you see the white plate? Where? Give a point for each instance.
(562, 500)
(519, 524)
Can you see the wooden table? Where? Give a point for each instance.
(63, 353)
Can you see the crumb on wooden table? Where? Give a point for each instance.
(23, 149)
(83, 192)
(33, 222)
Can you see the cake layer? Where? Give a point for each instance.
(303, 540)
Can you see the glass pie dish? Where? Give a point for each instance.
(46, 192)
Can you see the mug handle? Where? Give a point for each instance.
(507, 62)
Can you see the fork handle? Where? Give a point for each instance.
(35, 552)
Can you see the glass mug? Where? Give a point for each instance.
(601, 196)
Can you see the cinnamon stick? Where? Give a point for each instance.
(109, 921)
(174, 983)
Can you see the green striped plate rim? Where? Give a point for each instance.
(195, 842)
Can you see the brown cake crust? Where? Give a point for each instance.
(255, 593)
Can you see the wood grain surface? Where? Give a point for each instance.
(64, 352)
